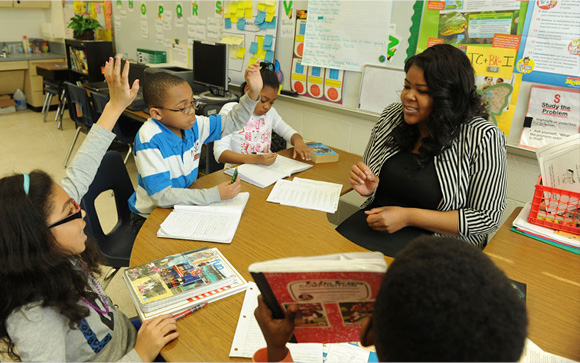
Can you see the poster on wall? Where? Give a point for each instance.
(469, 22)
(316, 82)
(250, 31)
(550, 51)
(553, 114)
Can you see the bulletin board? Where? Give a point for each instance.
(139, 24)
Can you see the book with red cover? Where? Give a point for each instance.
(334, 293)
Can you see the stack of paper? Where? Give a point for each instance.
(307, 194)
(560, 164)
(533, 353)
(216, 222)
(566, 241)
(263, 176)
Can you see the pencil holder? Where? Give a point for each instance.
(555, 208)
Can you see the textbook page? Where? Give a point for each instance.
(263, 176)
(308, 194)
(217, 222)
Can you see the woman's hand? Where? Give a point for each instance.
(265, 159)
(120, 94)
(362, 179)
(230, 190)
(153, 335)
(254, 80)
(301, 149)
(387, 219)
(276, 332)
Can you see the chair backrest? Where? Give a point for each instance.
(112, 175)
(99, 102)
(79, 105)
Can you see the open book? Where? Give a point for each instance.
(334, 293)
(176, 282)
(263, 176)
(216, 222)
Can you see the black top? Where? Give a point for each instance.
(402, 183)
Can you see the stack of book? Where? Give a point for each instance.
(178, 282)
(561, 239)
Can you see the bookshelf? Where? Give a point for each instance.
(86, 57)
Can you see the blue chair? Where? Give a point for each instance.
(125, 129)
(80, 110)
(116, 245)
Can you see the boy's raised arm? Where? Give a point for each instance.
(254, 80)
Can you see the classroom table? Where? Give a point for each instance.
(552, 276)
(268, 231)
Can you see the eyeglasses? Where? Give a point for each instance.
(77, 214)
(186, 110)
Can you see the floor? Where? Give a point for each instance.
(28, 143)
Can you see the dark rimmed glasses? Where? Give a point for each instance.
(77, 214)
(186, 110)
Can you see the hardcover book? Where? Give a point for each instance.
(321, 153)
(178, 281)
(334, 293)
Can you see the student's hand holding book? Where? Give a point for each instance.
(153, 335)
(120, 94)
(277, 332)
(230, 190)
(254, 80)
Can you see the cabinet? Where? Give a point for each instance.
(33, 84)
(12, 76)
(25, 4)
(86, 58)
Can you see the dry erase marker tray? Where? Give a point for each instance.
(555, 208)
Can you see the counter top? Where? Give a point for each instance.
(30, 56)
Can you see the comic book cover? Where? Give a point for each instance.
(178, 277)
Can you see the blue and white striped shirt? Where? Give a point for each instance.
(167, 164)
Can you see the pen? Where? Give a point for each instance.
(185, 313)
(234, 176)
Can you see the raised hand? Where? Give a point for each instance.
(254, 80)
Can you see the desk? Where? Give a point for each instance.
(552, 276)
(266, 231)
(53, 75)
(269, 231)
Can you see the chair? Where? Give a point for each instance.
(80, 111)
(125, 129)
(115, 246)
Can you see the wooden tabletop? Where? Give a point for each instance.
(552, 276)
(268, 231)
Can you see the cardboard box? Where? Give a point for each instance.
(7, 104)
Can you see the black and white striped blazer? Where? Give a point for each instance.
(472, 172)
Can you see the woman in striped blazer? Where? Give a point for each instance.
(434, 164)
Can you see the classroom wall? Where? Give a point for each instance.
(16, 22)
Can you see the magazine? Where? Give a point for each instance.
(180, 281)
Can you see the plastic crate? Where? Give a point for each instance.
(556, 209)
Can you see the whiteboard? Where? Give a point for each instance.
(379, 86)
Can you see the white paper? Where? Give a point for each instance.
(248, 337)
(307, 194)
(344, 352)
(522, 223)
(560, 164)
(534, 354)
(216, 222)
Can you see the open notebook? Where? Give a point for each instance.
(265, 175)
(216, 222)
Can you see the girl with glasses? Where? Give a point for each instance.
(52, 308)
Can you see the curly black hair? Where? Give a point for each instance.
(33, 268)
(444, 300)
(451, 82)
